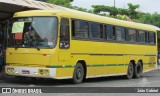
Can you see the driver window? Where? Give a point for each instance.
(64, 34)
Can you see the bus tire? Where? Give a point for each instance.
(138, 70)
(130, 71)
(78, 74)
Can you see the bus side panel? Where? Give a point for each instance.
(87, 59)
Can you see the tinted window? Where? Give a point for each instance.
(141, 37)
(120, 33)
(151, 38)
(131, 35)
(109, 32)
(64, 33)
(96, 30)
(147, 37)
(80, 29)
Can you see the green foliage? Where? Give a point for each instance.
(153, 19)
(130, 12)
(119, 13)
(43, 0)
(102, 8)
(132, 8)
(79, 8)
(65, 3)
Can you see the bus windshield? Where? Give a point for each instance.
(38, 32)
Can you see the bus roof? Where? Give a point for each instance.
(89, 17)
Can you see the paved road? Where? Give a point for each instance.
(149, 79)
(152, 78)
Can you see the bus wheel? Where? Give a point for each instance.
(78, 74)
(130, 71)
(138, 70)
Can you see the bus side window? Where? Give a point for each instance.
(141, 36)
(96, 30)
(110, 32)
(152, 38)
(131, 35)
(120, 33)
(64, 34)
(147, 37)
(80, 29)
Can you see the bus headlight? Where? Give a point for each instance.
(8, 70)
(11, 69)
(46, 72)
(41, 71)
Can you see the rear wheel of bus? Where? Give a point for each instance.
(78, 74)
(130, 71)
(138, 70)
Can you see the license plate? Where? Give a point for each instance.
(25, 71)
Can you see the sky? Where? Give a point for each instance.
(150, 6)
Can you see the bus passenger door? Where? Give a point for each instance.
(64, 52)
(64, 43)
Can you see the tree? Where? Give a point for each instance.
(43, 0)
(130, 12)
(153, 19)
(119, 13)
(65, 3)
(79, 8)
(102, 8)
(132, 8)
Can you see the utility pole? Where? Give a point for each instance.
(114, 3)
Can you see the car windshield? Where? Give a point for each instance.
(39, 32)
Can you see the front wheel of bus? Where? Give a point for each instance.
(78, 74)
(138, 70)
(130, 71)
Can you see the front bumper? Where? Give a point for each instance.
(31, 72)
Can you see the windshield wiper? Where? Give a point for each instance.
(37, 48)
(16, 47)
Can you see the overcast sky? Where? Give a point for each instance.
(150, 6)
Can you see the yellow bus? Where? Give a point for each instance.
(75, 45)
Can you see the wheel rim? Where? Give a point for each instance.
(78, 73)
(130, 70)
